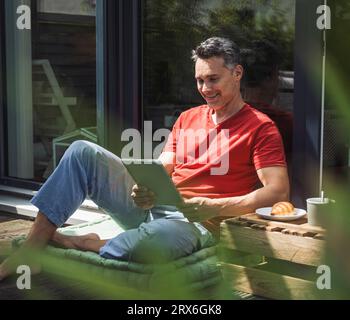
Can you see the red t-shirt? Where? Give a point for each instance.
(219, 161)
(251, 142)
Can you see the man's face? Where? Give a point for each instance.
(217, 84)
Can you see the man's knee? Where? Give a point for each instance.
(164, 241)
(158, 241)
(79, 145)
(80, 148)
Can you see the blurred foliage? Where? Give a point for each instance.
(90, 281)
(337, 179)
(337, 254)
(172, 27)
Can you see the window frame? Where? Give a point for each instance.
(3, 140)
(119, 70)
(4, 179)
(307, 104)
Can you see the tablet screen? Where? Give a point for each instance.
(152, 174)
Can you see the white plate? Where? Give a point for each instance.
(266, 214)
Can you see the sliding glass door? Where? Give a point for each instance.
(90, 69)
(50, 84)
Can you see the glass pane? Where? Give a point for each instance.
(80, 7)
(264, 30)
(60, 94)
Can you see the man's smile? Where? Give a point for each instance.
(207, 97)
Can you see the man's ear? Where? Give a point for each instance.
(238, 72)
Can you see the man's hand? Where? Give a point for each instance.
(143, 197)
(199, 209)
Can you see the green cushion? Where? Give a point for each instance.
(197, 271)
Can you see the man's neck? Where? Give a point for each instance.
(228, 111)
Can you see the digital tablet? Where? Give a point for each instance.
(152, 174)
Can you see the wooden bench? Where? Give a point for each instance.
(272, 259)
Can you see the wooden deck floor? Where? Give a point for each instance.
(43, 286)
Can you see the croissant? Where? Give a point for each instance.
(282, 208)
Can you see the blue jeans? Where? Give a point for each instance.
(87, 169)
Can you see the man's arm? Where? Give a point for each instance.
(275, 188)
(168, 160)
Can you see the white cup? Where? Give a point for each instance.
(317, 210)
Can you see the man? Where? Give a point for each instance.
(255, 153)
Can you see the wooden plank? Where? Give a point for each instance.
(319, 236)
(273, 229)
(273, 244)
(240, 223)
(296, 225)
(254, 218)
(240, 258)
(268, 284)
(258, 226)
(285, 231)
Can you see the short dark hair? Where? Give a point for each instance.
(218, 47)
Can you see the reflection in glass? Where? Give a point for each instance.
(264, 30)
(64, 78)
(51, 83)
(77, 7)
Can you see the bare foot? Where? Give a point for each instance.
(73, 242)
(23, 257)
